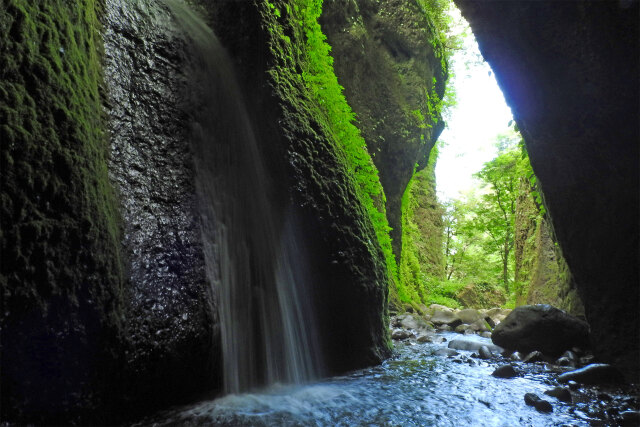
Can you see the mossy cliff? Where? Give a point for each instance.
(392, 66)
(542, 276)
(268, 42)
(569, 71)
(422, 234)
(61, 275)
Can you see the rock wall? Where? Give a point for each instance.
(391, 67)
(569, 71)
(542, 276)
(171, 332)
(61, 274)
(347, 266)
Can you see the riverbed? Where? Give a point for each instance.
(415, 387)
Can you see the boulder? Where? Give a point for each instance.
(445, 317)
(541, 327)
(480, 325)
(413, 321)
(400, 334)
(461, 328)
(505, 371)
(469, 315)
(596, 373)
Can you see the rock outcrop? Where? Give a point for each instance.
(569, 71)
(391, 72)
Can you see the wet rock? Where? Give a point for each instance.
(486, 334)
(597, 373)
(446, 352)
(630, 418)
(485, 353)
(561, 393)
(444, 328)
(541, 405)
(534, 356)
(571, 355)
(422, 338)
(400, 334)
(472, 346)
(540, 327)
(565, 361)
(505, 371)
(516, 356)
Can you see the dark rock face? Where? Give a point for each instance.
(346, 264)
(540, 327)
(171, 320)
(61, 275)
(555, 62)
(385, 61)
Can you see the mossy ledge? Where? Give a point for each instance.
(61, 273)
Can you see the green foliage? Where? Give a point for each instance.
(319, 76)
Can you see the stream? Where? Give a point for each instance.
(414, 387)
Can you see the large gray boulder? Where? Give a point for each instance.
(541, 327)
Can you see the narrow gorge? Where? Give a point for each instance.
(231, 205)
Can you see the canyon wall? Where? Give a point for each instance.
(569, 71)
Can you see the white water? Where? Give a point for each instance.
(255, 266)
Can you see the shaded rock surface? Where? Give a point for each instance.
(541, 327)
(381, 51)
(596, 373)
(553, 61)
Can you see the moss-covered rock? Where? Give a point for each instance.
(348, 272)
(61, 274)
(391, 65)
(541, 273)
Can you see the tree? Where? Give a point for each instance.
(500, 178)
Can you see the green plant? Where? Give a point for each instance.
(319, 76)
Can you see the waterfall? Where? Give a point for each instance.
(254, 264)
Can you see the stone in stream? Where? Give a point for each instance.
(596, 373)
(400, 334)
(565, 361)
(541, 405)
(561, 393)
(445, 317)
(534, 356)
(541, 327)
(413, 321)
(485, 353)
(446, 352)
(505, 371)
(516, 356)
(469, 345)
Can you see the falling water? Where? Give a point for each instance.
(254, 264)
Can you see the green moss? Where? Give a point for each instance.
(320, 78)
(61, 233)
(422, 232)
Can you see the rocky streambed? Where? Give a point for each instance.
(436, 377)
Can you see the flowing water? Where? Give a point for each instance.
(413, 388)
(253, 261)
